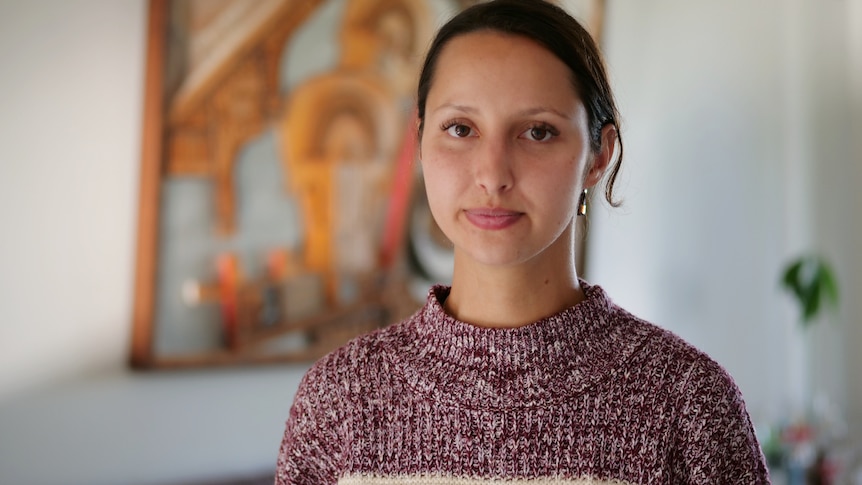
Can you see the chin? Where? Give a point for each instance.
(499, 257)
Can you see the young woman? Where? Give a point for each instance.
(519, 372)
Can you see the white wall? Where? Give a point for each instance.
(70, 122)
(739, 157)
(70, 412)
(836, 169)
(735, 161)
(850, 231)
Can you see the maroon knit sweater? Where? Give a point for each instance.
(591, 395)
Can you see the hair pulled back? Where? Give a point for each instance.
(553, 28)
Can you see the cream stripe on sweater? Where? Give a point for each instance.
(443, 480)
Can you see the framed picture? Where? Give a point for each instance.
(281, 209)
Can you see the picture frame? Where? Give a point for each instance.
(281, 211)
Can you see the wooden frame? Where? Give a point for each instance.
(148, 202)
(197, 126)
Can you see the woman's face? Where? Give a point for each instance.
(504, 149)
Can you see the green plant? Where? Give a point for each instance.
(811, 281)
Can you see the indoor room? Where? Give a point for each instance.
(200, 198)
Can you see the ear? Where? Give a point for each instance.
(603, 158)
(419, 130)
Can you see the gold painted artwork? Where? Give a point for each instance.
(281, 210)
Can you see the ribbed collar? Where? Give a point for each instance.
(489, 368)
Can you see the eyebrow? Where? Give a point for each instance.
(544, 109)
(527, 112)
(457, 107)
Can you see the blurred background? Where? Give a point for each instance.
(743, 130)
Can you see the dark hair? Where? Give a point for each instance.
(562, 35)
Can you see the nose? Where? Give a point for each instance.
(493, 167)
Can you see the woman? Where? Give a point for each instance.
(520, 371)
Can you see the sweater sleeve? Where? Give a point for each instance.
(715, 438)
(312, 448)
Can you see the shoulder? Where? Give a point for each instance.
(698, 371)
(632, 335)
(713, 435)
(681, 365)
(361, 358)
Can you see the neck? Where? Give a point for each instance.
(515, 295)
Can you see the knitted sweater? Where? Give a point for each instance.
(591, 395)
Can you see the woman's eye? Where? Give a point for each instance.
(460, 131)
(539, 133)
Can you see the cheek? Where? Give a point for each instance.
(439, 203)
(556, 188)
(438, 183)
(575, 171)
(442, 169)
(444, 188)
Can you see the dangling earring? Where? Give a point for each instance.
(582, 204)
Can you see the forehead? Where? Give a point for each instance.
(507, 64)
(487, 45)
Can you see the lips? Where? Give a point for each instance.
(492, 218)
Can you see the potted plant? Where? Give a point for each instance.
(811, 281)
(801, 448)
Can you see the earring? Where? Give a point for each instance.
(582, 204)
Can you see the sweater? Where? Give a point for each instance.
(591, 395)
